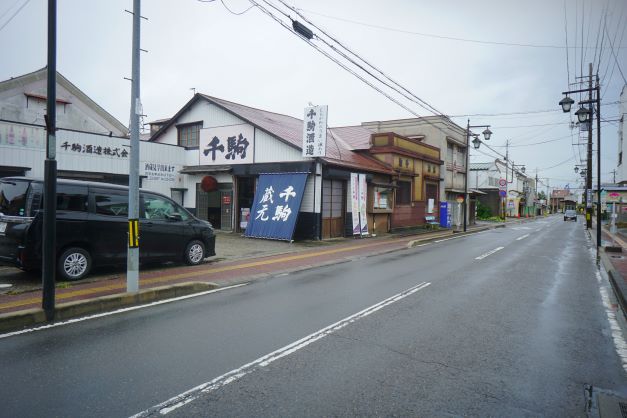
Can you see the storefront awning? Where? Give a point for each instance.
(199, 169)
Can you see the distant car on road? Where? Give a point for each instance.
(570, 215)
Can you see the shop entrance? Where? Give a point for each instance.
(333, 212)
(208, 206)
(245, 200)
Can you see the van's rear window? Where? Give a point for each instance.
(13, 197)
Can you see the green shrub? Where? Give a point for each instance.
(483, 212)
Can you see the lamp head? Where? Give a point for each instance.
(582, 114)
(566, 104)
(476, 142)
(487, 134)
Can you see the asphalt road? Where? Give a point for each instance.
(508, 322)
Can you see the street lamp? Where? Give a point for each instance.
(566, 104)
(585, 115)
(476, 143)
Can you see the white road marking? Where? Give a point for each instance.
(236, 374)
(522, 237)
(100, 315)
(482, 256)
(448, 239)
(520, 228)
(617, 335)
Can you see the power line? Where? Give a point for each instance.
(614, 54)
(420, 102)
(14, 14)
(431, 35)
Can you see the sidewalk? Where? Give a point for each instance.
(239, 260)
(615, 261)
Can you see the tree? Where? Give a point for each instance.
(541, 195)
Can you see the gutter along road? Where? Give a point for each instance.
(483, 324)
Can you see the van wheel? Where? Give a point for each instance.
(74, 264)
(194, 253)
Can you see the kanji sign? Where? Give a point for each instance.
(226, 145)
(315, 131)
(276, 205)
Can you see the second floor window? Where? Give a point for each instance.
(188, 135)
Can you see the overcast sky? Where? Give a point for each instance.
(253, 60)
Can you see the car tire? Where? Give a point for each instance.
(74, 264)
(194, 253)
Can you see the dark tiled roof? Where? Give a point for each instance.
(341, 142)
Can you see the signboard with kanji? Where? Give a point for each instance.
(227, 145)
(276, 205)
(315, 131)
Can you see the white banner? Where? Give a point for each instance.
(363, 192)
(227, 145)
(315, 131)
(355, 203)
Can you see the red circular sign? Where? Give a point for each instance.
(460, 199)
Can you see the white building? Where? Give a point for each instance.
(91, 143)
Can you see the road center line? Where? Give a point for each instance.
(236, 374)
(131, 308)
(522, 237)
(482, 256)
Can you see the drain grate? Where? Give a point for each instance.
(623, 409)
(620, 257)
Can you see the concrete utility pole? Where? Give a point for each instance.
(589, 163)
(132, 271)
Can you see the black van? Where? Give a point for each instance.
(92, 227)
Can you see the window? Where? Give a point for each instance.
(188, 135)
(493, 181)
(158, 208)
(112, 205)
(449, 153)
(620, 158)
(332, 198)
(432, 191)
(72, 202)
(403, 193)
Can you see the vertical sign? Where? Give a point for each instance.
(363, 192)
(315, 131)
(355, 203)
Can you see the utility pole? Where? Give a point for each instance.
(504, 200)
(132, 273)
(589, 162)
(50, 172)
(537, 199)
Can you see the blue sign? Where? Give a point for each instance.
(502, 193)
(276, 205)
(445, 216)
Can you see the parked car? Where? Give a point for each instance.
(570, 215)
(92, 227)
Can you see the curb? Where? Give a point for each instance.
(16, 320)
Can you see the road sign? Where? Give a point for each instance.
(460, 199)
(502, 193)
(502, 183)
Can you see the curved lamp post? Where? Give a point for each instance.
(476, 143)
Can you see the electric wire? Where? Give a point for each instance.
(429, 107)
(351, 71)
(14, 14)
(430, 35)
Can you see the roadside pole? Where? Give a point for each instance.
(132, 270)
(50, 171)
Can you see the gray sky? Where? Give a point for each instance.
(251, 59)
